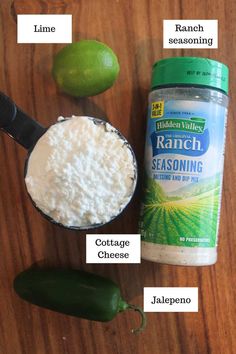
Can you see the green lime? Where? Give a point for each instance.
(85, 68)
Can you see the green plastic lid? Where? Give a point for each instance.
(190, 71)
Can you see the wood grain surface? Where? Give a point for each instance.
(133, 28)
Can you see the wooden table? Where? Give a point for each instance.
(134, 30)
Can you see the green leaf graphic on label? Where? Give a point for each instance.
(192, 125)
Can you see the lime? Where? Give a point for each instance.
(85, 68)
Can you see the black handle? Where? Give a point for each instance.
(18, 125)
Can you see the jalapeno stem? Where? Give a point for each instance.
(143, 318)
(124, 306)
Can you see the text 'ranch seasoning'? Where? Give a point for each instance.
(81, 172)
(184, 159)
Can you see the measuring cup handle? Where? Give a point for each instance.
(18, 125)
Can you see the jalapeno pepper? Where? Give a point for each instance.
(73, 292)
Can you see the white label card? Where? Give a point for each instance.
(190, 34)
(109, 248)
(44, 28)
(166, 299)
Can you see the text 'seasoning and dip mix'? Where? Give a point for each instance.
(184, 159)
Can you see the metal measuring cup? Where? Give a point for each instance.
(26, 131)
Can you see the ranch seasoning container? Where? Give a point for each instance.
(184, 158)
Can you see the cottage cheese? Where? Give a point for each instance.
(81, 172)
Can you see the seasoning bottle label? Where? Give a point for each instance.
(184, 159)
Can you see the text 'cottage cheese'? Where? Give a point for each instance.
(81, 172)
